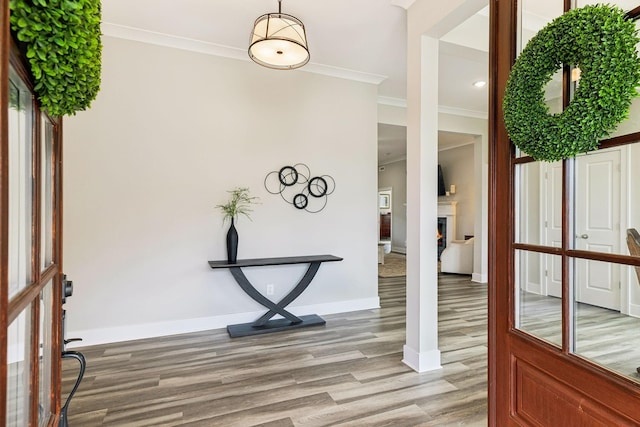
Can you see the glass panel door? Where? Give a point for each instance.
(564, 303)
(45, 357)
(46, 192)
(18, 369)
(20, 184)
(30, 306)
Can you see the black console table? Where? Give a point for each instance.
(263, 324)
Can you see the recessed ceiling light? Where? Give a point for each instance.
(480, 83)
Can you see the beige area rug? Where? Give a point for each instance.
(395, 265)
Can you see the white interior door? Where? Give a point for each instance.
(553, 227)
(597, 226)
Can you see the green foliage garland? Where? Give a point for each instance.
(600, 41)
(63, 45)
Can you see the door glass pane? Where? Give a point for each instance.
(18, 356)
(538, 295)
(529, 199)
(539, 203)
(534, 15)
(625, 5)
(46, 256)
(607, 199)
(20, 184)
(46, 343)
(632, 123)
(607, 315)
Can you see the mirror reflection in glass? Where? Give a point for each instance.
(539, 203)
(606, 321)
(538, 295)
(607, 199)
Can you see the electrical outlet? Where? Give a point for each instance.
(270, 289)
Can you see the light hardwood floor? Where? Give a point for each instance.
(347, 373)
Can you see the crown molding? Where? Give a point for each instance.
(184, 43)
(402, 103)
(462, 112)
(406, 4)
(470, 142)
(393, 102)
(344, 73)
(167, 40)
(392, 161)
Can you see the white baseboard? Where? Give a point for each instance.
(634, 310)
(399, 249)
(421, 362)
(479, 278)
(159, 329)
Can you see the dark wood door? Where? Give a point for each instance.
(385, 226)
(554, 360)
(30, 246)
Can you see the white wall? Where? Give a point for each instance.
(394, 176)
(392, 114)
(458, 169)
(170, 133)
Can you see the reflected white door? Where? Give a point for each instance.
(553, 227)
(598, 226)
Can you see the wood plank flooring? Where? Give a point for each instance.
(347, 373)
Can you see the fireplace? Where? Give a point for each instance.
(442, 233)
(446, 224)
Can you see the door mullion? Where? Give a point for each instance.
(4, 199)
(566, 217)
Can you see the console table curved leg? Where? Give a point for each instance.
(248, 288)
(265, 323)
(291, 296)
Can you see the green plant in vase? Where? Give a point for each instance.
(239, 204)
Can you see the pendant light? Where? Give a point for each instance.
(279, 41)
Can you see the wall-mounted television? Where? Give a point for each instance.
(441, 188)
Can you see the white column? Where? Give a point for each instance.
(427, 21)
(481, 226)
(421, 351)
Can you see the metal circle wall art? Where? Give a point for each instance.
(288, 176)
(297, 187)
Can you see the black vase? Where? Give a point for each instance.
(232, 244)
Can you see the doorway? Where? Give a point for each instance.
(385, 220)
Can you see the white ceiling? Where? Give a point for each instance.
(367, 37)
(392, 142)
(363, 38)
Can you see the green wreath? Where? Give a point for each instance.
(599, 40)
